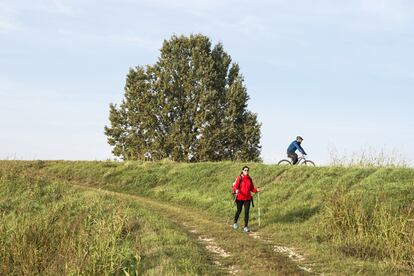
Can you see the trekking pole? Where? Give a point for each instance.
(258, 205)
(234, 197)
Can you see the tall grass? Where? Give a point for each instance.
(369, 228)
(49, 228)
(369, 157)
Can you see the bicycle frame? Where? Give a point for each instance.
(302, 160)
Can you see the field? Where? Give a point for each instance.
(152, 218)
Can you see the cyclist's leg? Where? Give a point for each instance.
(295, 161)
(294, 157)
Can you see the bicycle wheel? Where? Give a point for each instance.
(308, 163)
(284, 162)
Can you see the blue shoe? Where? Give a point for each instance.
(246, 229)
(235, 226)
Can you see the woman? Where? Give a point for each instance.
(242, 187)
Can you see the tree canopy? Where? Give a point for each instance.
(191, 105)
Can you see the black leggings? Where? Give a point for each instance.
(240, 204)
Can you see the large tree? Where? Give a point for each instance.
(191, 105)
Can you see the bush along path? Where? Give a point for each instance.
(233, 251)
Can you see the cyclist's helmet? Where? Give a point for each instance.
(299, 138)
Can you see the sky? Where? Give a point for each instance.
(338, 73)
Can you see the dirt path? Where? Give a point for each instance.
(233, 251)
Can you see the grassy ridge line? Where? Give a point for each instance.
(292, 194)
(50, 228)
(295, 204)
(203, 185)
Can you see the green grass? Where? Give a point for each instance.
(49, 228)
(346, 220)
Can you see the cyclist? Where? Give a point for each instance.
(295, 145)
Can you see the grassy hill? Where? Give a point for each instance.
(342, 220)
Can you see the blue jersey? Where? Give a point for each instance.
(295, 146)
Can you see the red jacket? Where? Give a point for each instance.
(245, 187)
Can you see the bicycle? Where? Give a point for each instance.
(301, 161)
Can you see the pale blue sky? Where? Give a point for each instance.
(338, 73)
